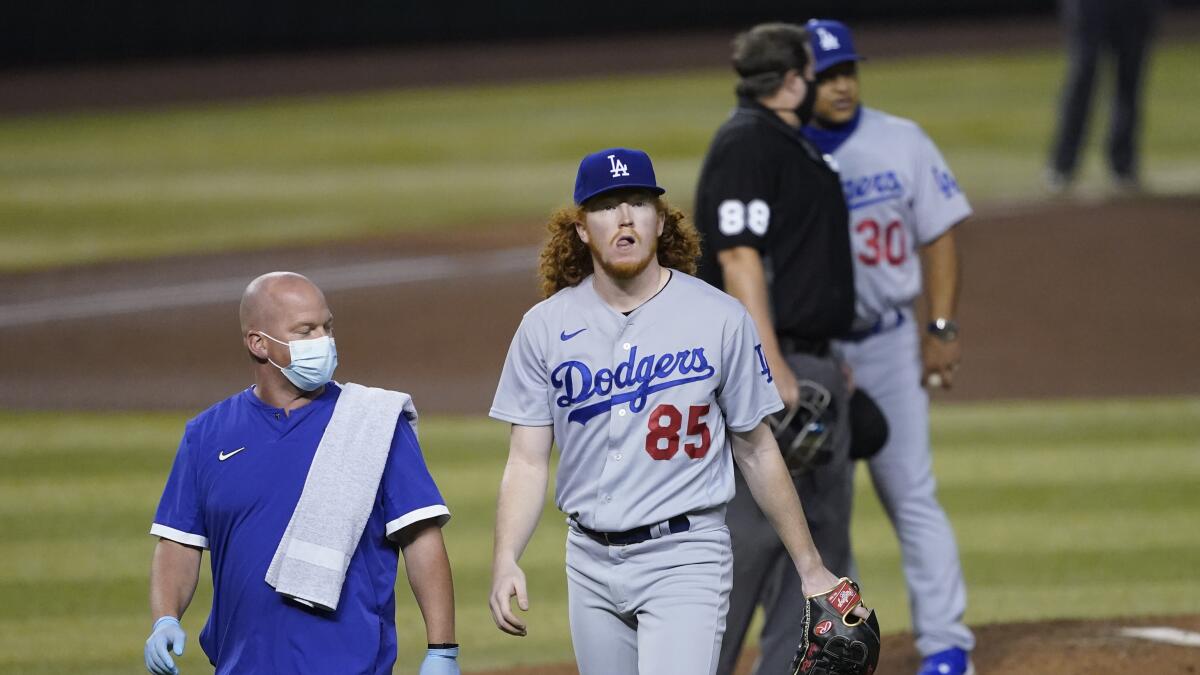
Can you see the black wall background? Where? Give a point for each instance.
(46, 32)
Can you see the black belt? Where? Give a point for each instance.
(802, 345)
(637, 535)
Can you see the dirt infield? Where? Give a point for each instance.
(1060, 300)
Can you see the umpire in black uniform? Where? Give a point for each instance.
(776, 236)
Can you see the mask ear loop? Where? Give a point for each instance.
(289, 346)
(271, 338)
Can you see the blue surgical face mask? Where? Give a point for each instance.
(313, 361)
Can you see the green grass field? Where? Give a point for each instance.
(97, 186)
(1081, 509)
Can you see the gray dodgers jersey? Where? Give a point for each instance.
(901, 195)
(640, 404)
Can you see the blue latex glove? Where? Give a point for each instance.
(167, 635)
(440, 662)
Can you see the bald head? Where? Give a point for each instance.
(277, 301)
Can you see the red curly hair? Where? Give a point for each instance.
(565, 260)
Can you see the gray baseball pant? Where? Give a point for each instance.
(654, 608)
(888, 366)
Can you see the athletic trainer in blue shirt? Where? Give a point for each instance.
(237, 477)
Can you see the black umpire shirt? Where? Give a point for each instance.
(764, 186)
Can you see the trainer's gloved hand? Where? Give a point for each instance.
(440, 661)
(166, 636)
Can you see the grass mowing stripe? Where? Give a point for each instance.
(1048, 571)
(97, 523)
(68, 598)
(78, 494)
(36, 646)
(1124, 596)
(1069, 498)
(115, 435)
(54, 559)
(1120, 419)
(1084, 532)
(996, 463)
(57, 464)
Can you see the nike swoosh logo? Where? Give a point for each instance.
(564, 336)
(222, 456)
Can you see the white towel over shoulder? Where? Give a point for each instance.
(312, 558)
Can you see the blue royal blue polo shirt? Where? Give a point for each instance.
(236, 480)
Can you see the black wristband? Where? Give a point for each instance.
(444, 645)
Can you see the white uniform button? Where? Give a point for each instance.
(626, 346)
(621, 412)
(618, 456)
(607, 498)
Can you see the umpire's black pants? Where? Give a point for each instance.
(762, 570)
(1124, 28)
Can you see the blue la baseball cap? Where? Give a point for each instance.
(831, 43)
(613, 169)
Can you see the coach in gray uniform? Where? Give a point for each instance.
(905, 206)
(647, 379)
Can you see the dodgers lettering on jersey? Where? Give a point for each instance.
(901, 196)
(641, 405)
(650, 374)
(863, 191)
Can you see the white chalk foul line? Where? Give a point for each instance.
(1166, 634)
(343, 277)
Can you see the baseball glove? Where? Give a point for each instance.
(836, 642)
(804, 431)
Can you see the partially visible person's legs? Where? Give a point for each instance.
(763, 571)
(888, 366)
(1083, 22)
(757, 551)
(1129, 33)
(783, 601)
(827, 493)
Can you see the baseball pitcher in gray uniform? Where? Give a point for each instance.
(904, 205)
(652, 383)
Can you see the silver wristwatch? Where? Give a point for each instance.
(943, 329)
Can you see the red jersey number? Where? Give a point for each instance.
(665, 425)
(882, 243)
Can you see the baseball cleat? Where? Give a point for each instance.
(953, 661)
